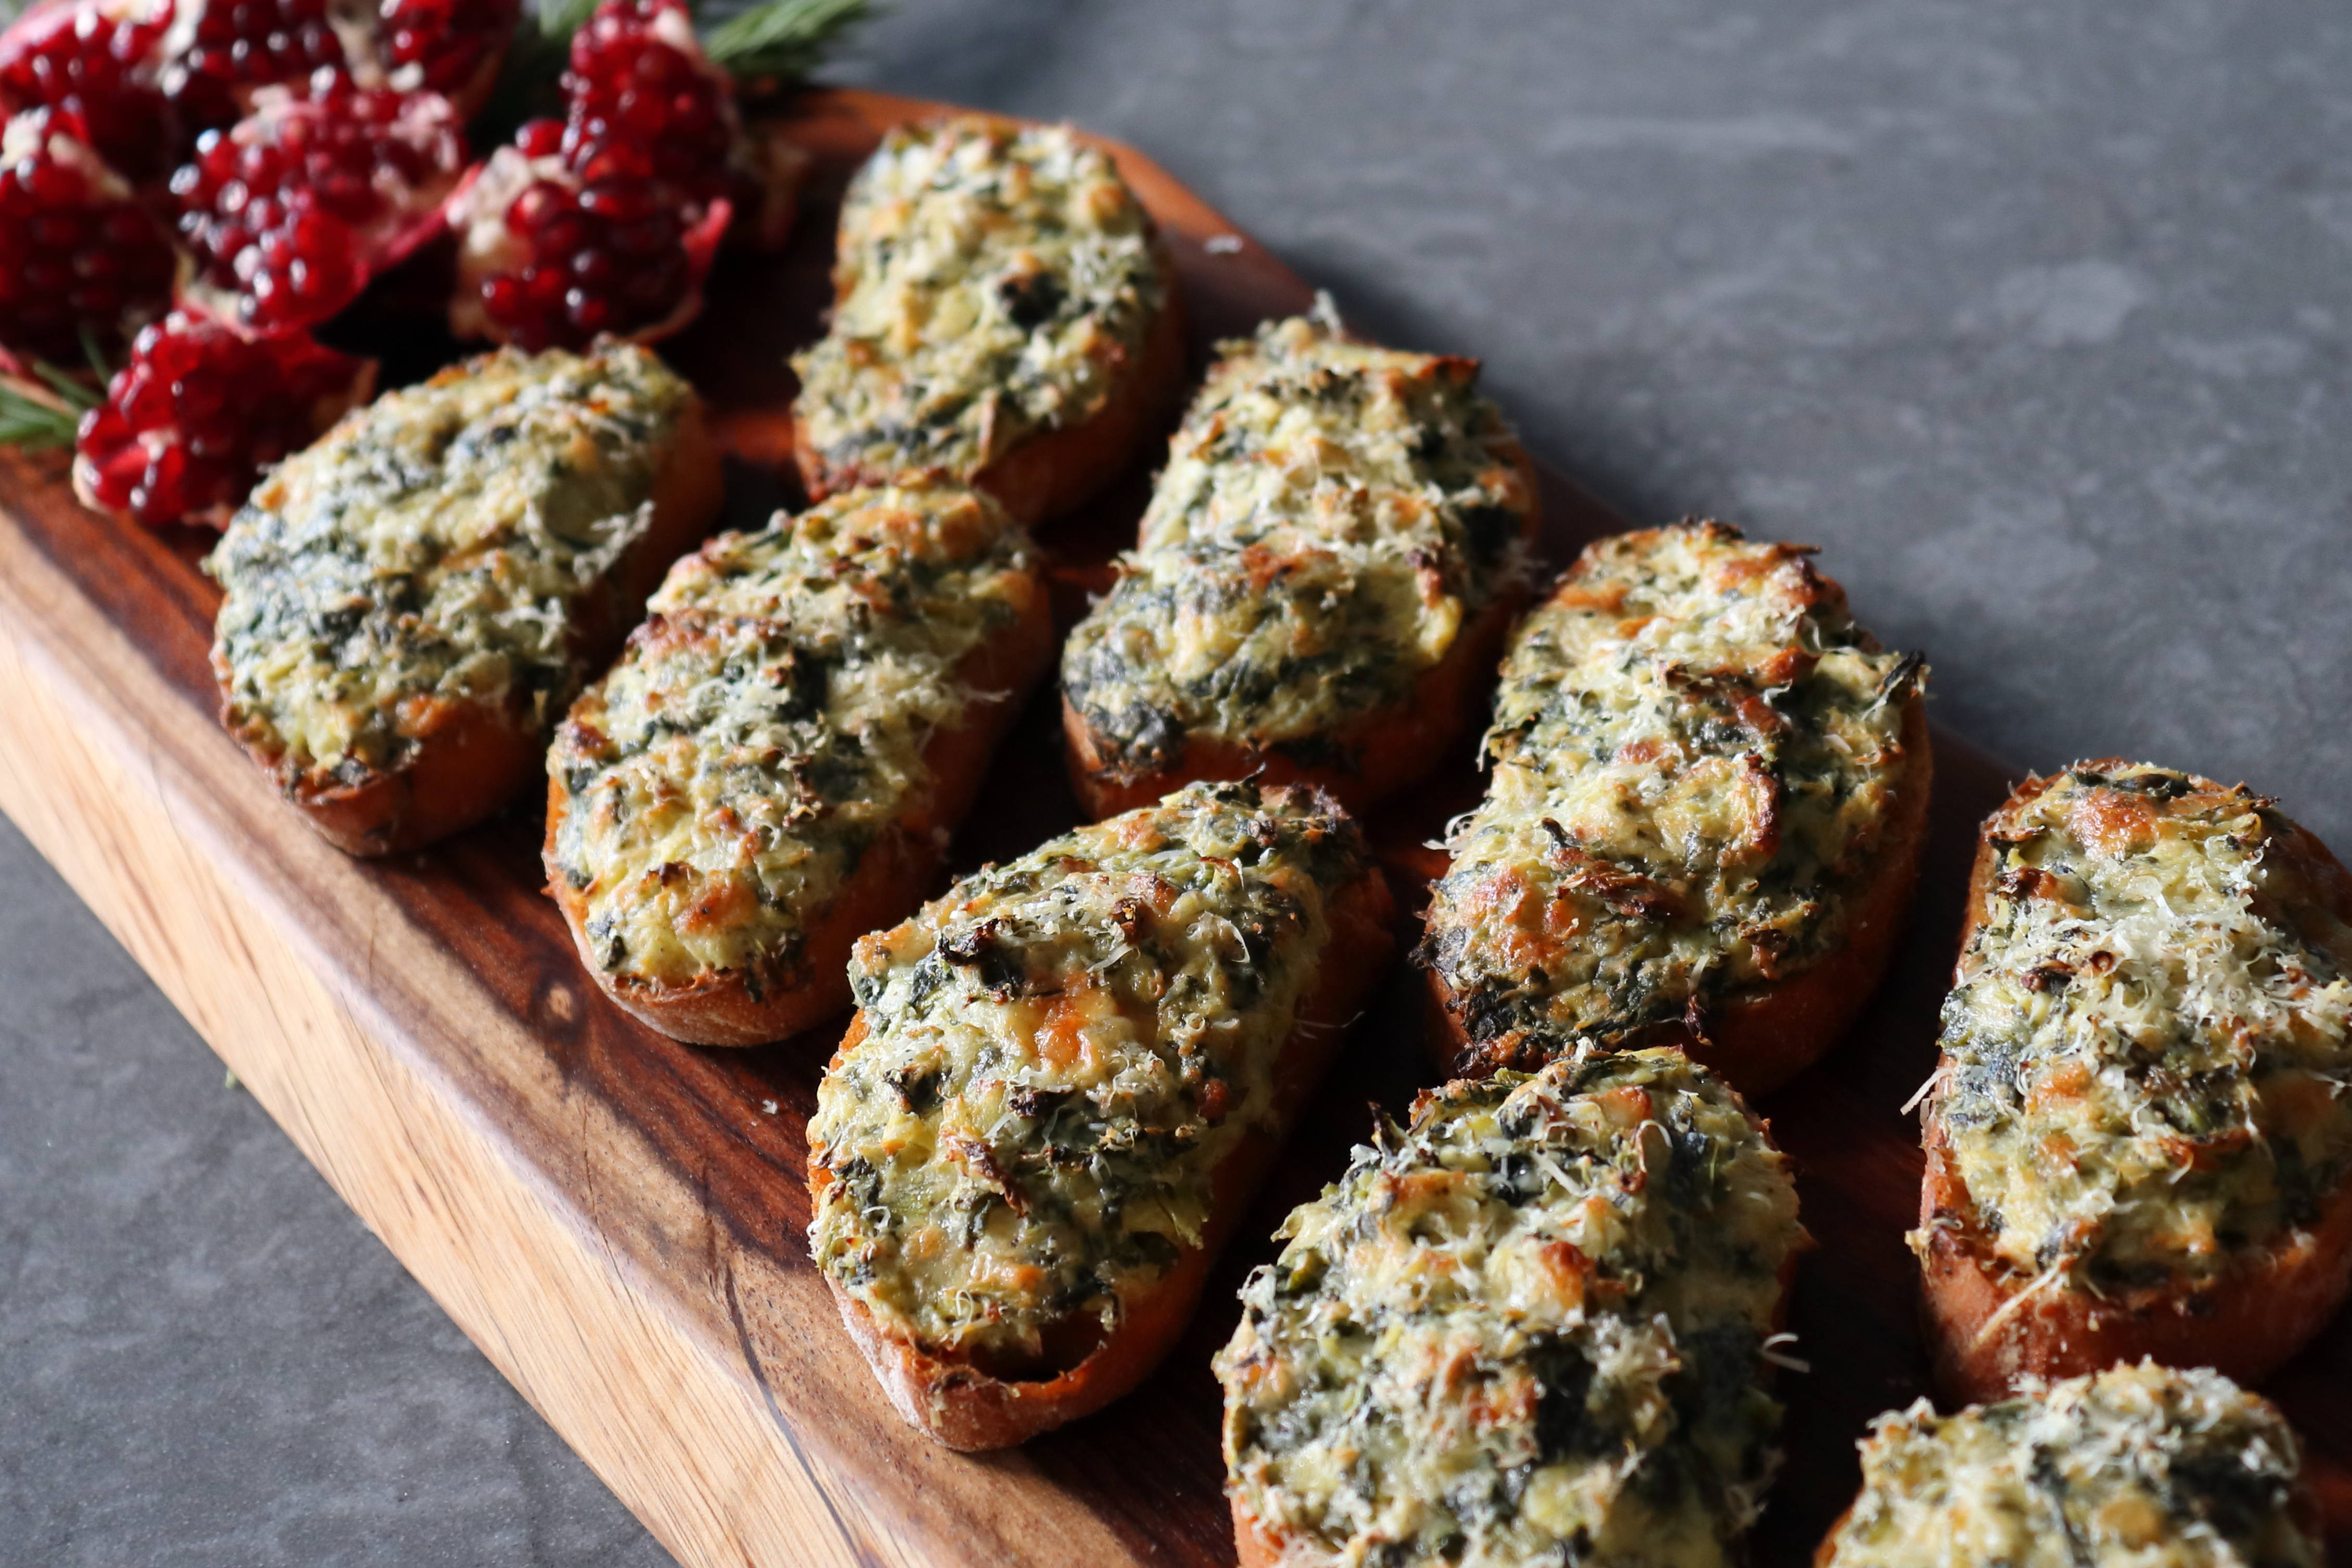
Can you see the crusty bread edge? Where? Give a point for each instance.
(1394, 747)
(717, 1007)
(1054, 473)
(2250, 1323)
(965, 1409)
(1761, 1038)
(473, 757)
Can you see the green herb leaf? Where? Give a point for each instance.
(783, 39)
(43, 410)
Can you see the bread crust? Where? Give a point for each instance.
(962, 1407)
(719, 1008)
(2246, 1325)
(1391, 749)
(1054, 472)
(1761, 1038)
(470, 757)
(1253, 1543)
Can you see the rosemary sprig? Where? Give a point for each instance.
(43, 409)
(782, 40)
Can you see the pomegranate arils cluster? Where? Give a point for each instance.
(78, 256)
(289, 212)
(95, 59)
(607, 222)
(199, 410)
(225, 51)
(642, 104)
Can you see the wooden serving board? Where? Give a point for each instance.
(617, 1220)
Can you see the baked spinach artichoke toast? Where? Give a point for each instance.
(1533, 1326)
(1004, 310)
(2140, 1132)
(1065, 1077)
(1704, 825)
(411, 602)
(773, 767)
(2138, 1467)
(1320, 584)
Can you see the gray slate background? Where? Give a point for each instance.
(2034, 316)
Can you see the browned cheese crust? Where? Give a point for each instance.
(2081, 1003)
(2140, 1465)
(1533, 1324)
(422, 712)
(1066, 355)
(1321, 586)
(1709, 801)
(776, 766)
(997, 1388)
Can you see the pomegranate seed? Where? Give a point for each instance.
(77, 254)
(289, 212)
(540, 138)
(97, 59)
(450, 47)
(190, 421)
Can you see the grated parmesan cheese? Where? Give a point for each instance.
(2147, 1046)
(1531, 1326)
(769, 722)
(1696, 753)
(992, 280)
(2139, 1467)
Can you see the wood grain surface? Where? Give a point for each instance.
(617, 1220)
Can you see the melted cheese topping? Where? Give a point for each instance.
(432, 548)
(2148, 1043)
(1696, 753)
(1530, 1328)
(769, 722)
(1331, 514)
(2137, 1468)
(994, 281)
(1057, 1056)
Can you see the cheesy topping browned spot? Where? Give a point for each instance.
(2138, 1467)
(1529, 1328)
(994, 281)
(1331, 515)
(433, 548)
(1695, 754)
(769, 722)
(1056, 1056)
(2148, 1043)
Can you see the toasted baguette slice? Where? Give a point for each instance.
(384, 650)
(2139, 1141)
(2137, 1465)
(1457, 1353)
(1320, 586)
(1032, 351)
(774, 768)
(1166, 990)
(1703, 827)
